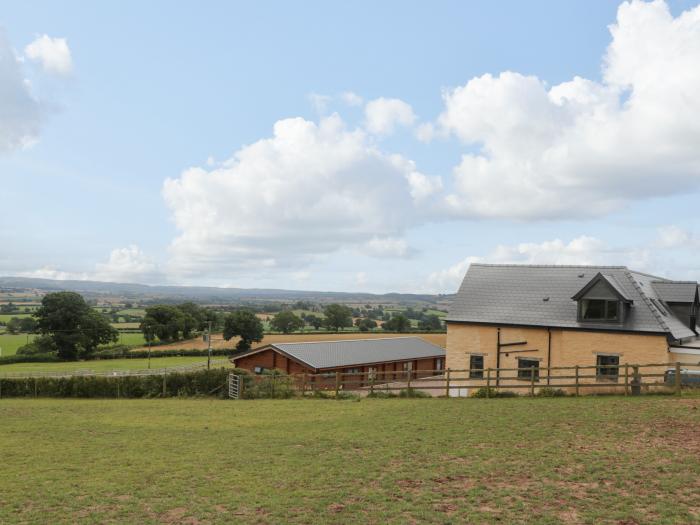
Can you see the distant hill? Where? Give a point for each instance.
(210, 294)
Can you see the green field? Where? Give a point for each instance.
(106, 364)
(4, 318)
(605, 460)
(140, 312)
(131, 338)
(11, 342)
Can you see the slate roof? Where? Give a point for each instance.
(676, 291)
(531, 295)
(333, 354)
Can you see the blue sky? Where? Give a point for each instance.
(144, 149)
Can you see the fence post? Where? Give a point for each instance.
(337, 382)
(165, 374)
(408, 383)
(118, 387)
(371, 383)
(447, 383)
(532, 382)
(303, 384)
(35, 386)
(627, 378)
(488, 382)
(678, 378)
(577, 380)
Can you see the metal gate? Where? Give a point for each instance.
(234, 386)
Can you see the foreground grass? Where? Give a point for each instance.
(586, 460)
(108, 364)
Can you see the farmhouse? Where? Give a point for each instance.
(384, 359)
(523, 316)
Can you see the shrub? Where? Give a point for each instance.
(484, 392)
(32, 358)
(41, 345)
(271, 384)
(548, 391)
(412, 392)
(382, 394)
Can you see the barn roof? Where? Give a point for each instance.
(534, 295)
(347, 353)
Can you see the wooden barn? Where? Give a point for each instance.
(386, 359)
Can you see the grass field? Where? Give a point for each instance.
(11, 342)
(4, 318)
(131, 338)
(217, 340)
(619, 461)
(105, 364)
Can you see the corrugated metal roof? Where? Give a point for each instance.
(542, 296)
(676, 291)
(332, 354)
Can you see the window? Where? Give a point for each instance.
(439, 364)
(528, 368)
(476, 366)
(607, 367)
(598, 310)
(407, 365)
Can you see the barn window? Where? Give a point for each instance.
(607, 367)
(528, 368)
(439, 364)
(476, 366)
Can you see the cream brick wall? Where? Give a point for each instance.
(568, 348)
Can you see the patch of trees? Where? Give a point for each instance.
(286, 322)
(398, 323)
(174, 322)
(313, 320)
(24, 325)
(365, 324)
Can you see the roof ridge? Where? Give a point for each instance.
(669, 281)
(648, 302)
(345, 340)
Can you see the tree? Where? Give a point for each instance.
(365, 325)
(14, 325)
(286, 322)
(27, 325)
(430, 323)
(246, 325)
(315, 321)
(163, 321)
(338, 317)
(75, 328)
(193, 318)
(398, 323)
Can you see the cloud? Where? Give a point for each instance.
(673, 236)
(20, 112)
(49, 272)
(52, 53)
(584, 148)
(128, 265)
(319, 102)
(382, 115)
(387, 247)
(310, 189)
(351, 99)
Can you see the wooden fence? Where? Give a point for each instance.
(624, 379)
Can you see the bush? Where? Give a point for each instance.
(40, 345)
(31, 358)
(200, 383)
(412, 392)
(382, 394)
(548, 391)
(484, 392)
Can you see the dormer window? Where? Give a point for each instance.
(599, 310)
(602, 300)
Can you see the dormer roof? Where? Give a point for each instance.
(607, 280)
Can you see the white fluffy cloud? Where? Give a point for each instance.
(52, 53)
(388, 247)
(20, 112)
(128, 265)
(383, 115)
(310, 189)
(582, 148)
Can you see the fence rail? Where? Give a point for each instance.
(625, 378)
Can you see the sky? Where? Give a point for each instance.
(364, 146)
